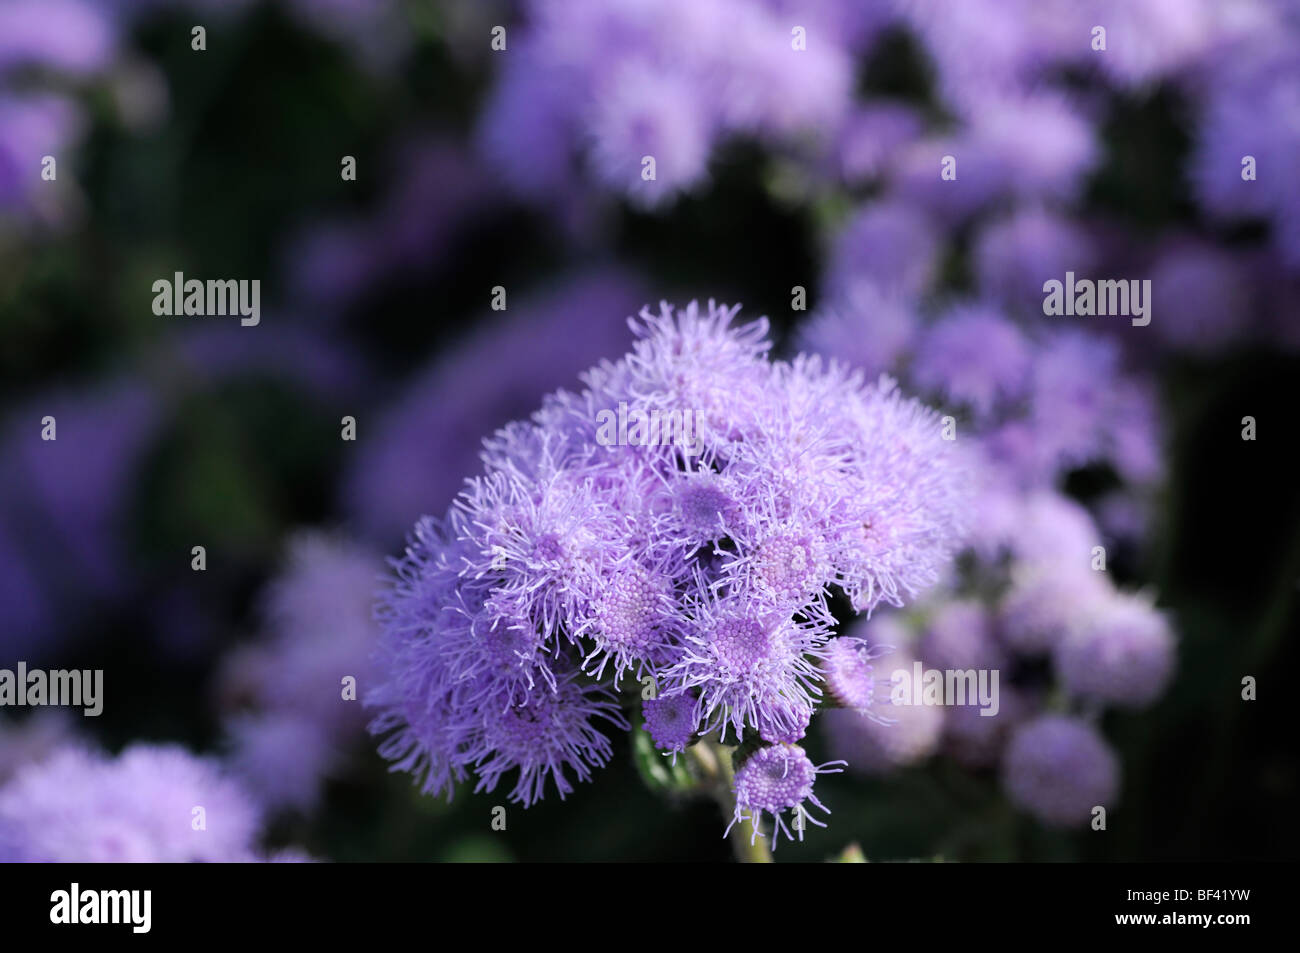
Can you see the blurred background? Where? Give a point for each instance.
(798, 148)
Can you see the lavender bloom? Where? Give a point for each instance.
(1039, 528)
(851, 678)
(1252, 111)
(77, 484)
(960, 635)
(1058, 769)
(745, 659)
(281, 758)
(12, 848)
(992, 47)
(975, 739)
(591, 550)
(1120, 653)
(141, 807)
(974, 357)
(986, 47)
(870, 137)
(1076, 398)
(1013, 256)
(32, 126)
(910, 512)
(1028, 147)
(1146, 41)
(647, 114)
(557, 100)
(1044, 602)
(319, 610)
(873, 747)
(863, 327)
(774, 780)
(66, 36)
(671, 721)
(306, 711)
(888, 243)
(891, 735)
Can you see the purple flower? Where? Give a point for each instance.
(544, 737)
(1029, 147)
(281, 758)
(1121, 652)
(1014, 255)
(974, 357)
(850, 676)
(1039, 528)
(1044, 601)
(32, 126)
(1074, 396)
(647, 114)
(1252, 111)
(889, 244)
(557, 99)
(974, 738)
(67, 36)
(863, 327)
(908, 515)
(304, 682)
(774, 780)
(1058, 769)
(892, 734)
(671, 721)
(747, 659)
(872, 747)
(67, 498)
(151, 804)
(590, 550)
(960, 635)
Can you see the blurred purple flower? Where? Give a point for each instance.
(1253, 110)
(144, 806)
(1121, 652)
(1015, 255)
(889, 244)
(65, 36)
(304, 683)
(1058, 769)
(33, 126)
(861, 326)
(558, 103)
(974, 357)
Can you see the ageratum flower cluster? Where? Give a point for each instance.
(578, 565)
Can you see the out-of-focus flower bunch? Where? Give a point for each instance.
(292, 698)
(680, 523)
(151, 804)
(694, 592)
(616, 88)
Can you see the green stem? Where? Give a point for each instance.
(714, 760)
